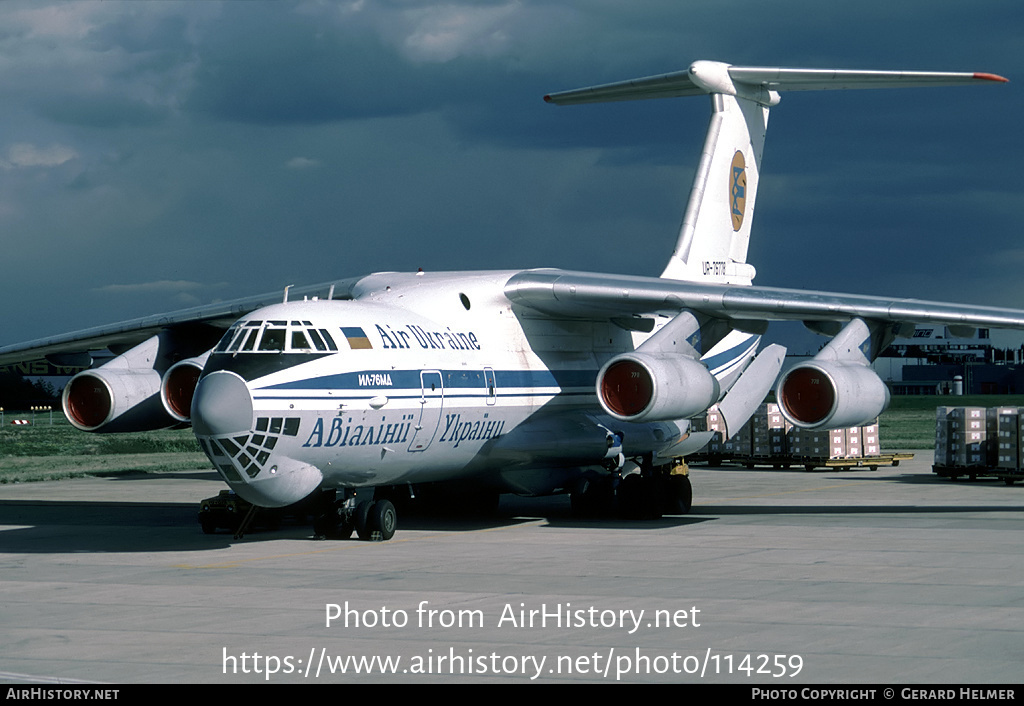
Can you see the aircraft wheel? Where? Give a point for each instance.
(678, 495)
(383, 518)
(360, 520)
(638, 499)
(595, 500)
(332, 523)
(343, 531)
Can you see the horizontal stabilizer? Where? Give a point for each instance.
(704, 77)
(715, 233)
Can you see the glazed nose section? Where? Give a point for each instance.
(222, 405)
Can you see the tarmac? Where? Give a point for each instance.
(776, 578)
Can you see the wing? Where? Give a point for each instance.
(835, 389)
(199, 327)
(586, 295)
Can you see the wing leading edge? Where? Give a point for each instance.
(215, 318)
(588, 295)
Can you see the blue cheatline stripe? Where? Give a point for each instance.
(416, 397)
(474, 379)
(451, 379)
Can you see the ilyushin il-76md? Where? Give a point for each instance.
(351, 393)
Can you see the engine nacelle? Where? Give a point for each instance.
(115, 400)
(123, 395)
(179, 386)
(831, 395)
(639, 387)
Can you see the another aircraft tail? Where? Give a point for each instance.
(715, 233)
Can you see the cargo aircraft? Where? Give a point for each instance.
(354, 392)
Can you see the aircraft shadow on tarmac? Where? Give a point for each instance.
(43, 527)
(849, 509)
(144, 475)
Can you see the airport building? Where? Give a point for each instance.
(934, 361)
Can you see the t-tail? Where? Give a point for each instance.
(715, 233)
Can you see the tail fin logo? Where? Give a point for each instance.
(738, 189)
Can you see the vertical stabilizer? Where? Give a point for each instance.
(715, 234)
(713, 240)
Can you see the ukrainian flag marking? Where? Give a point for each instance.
(356, 337)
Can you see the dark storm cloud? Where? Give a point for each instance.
(276, 67)
(154, 153)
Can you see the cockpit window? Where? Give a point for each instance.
(276, 337)
(273, 337)
(249, 339)
(328, 339)
(299, 342)
(318, 341)
(226, 339)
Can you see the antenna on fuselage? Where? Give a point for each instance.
(286, 293)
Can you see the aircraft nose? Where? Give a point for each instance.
(221, 405)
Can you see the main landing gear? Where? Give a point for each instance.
(637, 491)
(372, 520)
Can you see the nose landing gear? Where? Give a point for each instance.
(371, 520)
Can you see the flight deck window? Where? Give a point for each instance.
(276, 337)
(317, 340)
(330, 341)
(250, 340)
(226, 339)
(273, 339)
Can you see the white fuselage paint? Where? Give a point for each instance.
(435, 377)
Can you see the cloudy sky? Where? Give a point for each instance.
(158, 155)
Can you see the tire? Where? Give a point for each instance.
(383, 518)
(638, 498)
(360, 519)
(597, 500)
(678, 495)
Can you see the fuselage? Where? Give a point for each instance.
(417, 378)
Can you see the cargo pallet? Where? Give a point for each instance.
(974, 472)
(871, 462)
(784, 462)
(979, 442)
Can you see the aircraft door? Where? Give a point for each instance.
(431, 403)
(492, 389)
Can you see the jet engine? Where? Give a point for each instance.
(831, 395)
(179, 385)
(122, 395)
(837, 388)
(640, 387)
